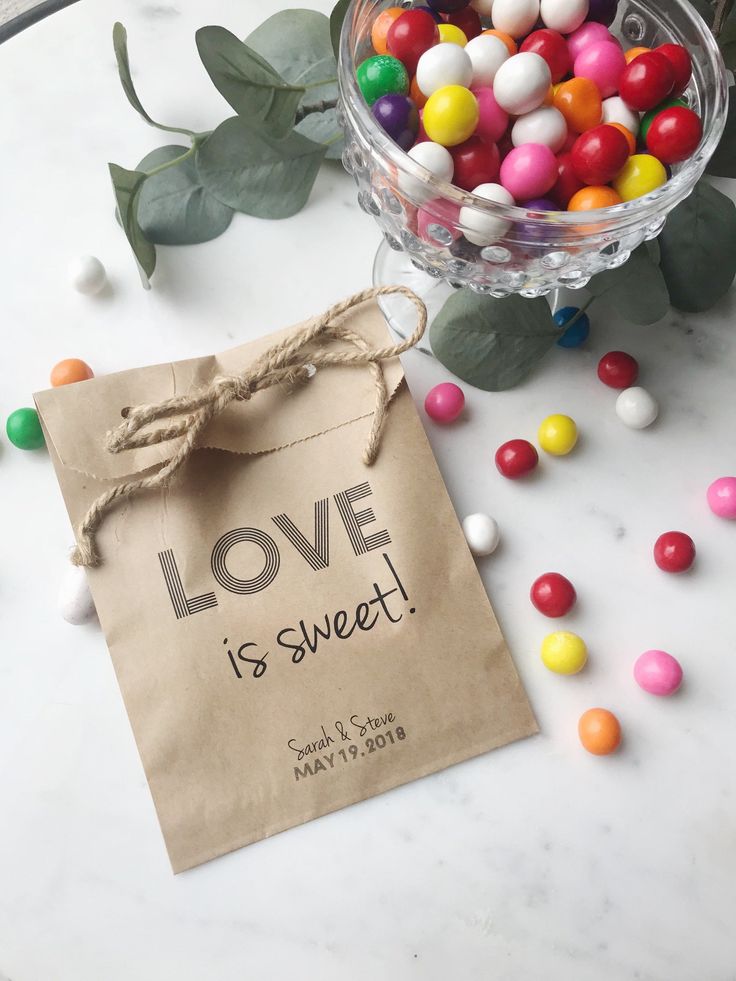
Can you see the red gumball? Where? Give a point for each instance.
(476, 162)
(674, 551)
(553, 595)
(468, 20)
(682, 65)
(617, 369)
(599, 154)
(551, 46)
(674, 134)
(410, 35)
(646, 81)
(568, 182)
(516, 458)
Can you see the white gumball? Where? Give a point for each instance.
(487, 53)
(484, 229)
(481, 533)
(545, 125)
(564, 16)
(482, 7)
(87, 274)
(515, 17)
(636, 408)
(521, 83)
(75, 601)
(444, 64)
(615, 110)
(437, 159)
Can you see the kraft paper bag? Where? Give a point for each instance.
(292, 631)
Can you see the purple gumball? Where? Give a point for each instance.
(526, 230)
(540, 204)
(399, 117)
(603, 11)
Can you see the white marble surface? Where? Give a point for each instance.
(534, 862)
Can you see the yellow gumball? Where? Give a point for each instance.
(449, 34)
(558, 434)
(564, 652)
(450, 115)
(641, 174)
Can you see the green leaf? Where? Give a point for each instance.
(252, 172)
(727, 44)
(127, 185)
(637, 288)
(698, 246)
(323, 127)
(253, 88)
(723, 161)
(174, 207)
(492, 343)
(704, 9)
(336, 21)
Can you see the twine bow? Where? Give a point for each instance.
(287, 363)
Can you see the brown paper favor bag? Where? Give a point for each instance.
(292, 631)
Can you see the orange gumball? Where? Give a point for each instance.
(630, 138)
(417, 96)
(506, 38)
(380, 29)
(634, 53)
(69, 371)
(593, 197)
(599, 731)
(579, 101)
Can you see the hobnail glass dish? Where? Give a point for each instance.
(538, 252)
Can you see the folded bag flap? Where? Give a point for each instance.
(77, 417)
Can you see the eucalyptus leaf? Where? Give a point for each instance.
(323, 127)
(723, 161)
(127, 185)
(492, 343)
(247, 169)
(247, 81)
(637, 288)
(727, 44)
(336, 21)
(698, 246)
(174, 207)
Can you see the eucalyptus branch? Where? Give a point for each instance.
(322, 106)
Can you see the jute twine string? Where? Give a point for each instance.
(287, 363)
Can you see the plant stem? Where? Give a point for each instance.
(574, 319)
(172, 163)
(322, 106)
(723, 9)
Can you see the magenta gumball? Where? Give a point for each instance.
(722, 497)
(492, 120)
(529, 171)
(444, 402)
(603, 63)
(658, 673)
(437, 223)
(588, 33)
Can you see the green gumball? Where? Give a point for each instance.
(382, 75)
(24, 429)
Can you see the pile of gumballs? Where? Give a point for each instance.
(528, 102)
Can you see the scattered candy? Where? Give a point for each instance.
(576, 334)
(722, 497)
(69, 371)
(482, 229)
(553, 594)
(451, 115)
(481, 534)
(617, 369)
(636, 408)
(444, 402)
(75, 602)
(87, 274)
(658, 673)
(564, 652)
(599, 731)
(516, 458)
(674, 551)
(558, 435)
(24, 429)
(382, 75)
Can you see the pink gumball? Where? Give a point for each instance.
(658, 673)
(604, 64)
(437, 224)
(722, 497)
(444, 402)
(529, 171)
(588, 33)
(492, 120)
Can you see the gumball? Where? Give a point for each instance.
(545, 125)
(511, 45)
(87, 274)
(648, 118)
(553, 48)
(447, 6)
(444, 402)
(435, 15)
(674, 135)
(587, 34)
(521, 83)
(579, 101)
(658, 673)
(492, 119)
(529, 171)
(476, 162)
(468, 21)
(558, 435)
(410, 35)
(437, 222)
(593, 198)
(722, 497)
(515, 17)
(69, 371)
(636, 408)
(646, 81)
(444, 64)
(417, 96)
(602, 11)
(599, 154)
(380, 29)
(516, 458)
(435, 158)
(24, 429)
(449, 34)
(615, 110)
(451, 115)
(553, 595)
(564, 16)
(603, 63)
(674, 551)
(634, 53)
(628, 136)
(641, 174)
(599, 731)
(618, 369)
(567, 184)
(481, 534)
(480, 228)
(682, 65)
(564, 652)
(577, 333)
(399, 117)
(487, 54)
(536, 207)
(482, 7)
(381, 75)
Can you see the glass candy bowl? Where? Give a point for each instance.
(536, 252)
